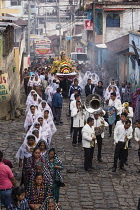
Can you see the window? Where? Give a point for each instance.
(15, 2)
(113, 20)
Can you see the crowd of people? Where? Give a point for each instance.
(41, 167)
(88, 126)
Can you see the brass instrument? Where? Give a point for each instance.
(92, 143)
(126, 107)
(93, 105)
(126, 140)
(81, 108)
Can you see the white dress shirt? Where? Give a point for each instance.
(118, 124)
(72, 105)
(120, 133)
(117, 104)
(130, 114)
(98, 123)
(137, 134)
(78, 118)
(87, 134)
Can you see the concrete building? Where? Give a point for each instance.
(9, 75)
(134, 58)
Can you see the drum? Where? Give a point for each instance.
(111, 114)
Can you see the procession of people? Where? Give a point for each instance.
(116, 114)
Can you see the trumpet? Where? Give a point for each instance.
(126, 140)
(81, 108)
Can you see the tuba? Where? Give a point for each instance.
(93, 105)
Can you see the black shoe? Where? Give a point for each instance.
(61, 122)
(74, 145)
(57, 123)
(89, 169)
(109, 135)
(139, 171)
(92, 167)
(122, 168)
(100, 160)
(113, 169)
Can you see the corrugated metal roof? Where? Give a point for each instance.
(5, 24)
(118, 45)
(117, 3)
(8, 18)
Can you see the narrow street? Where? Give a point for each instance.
(97, 190)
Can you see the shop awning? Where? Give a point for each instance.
(114, 9)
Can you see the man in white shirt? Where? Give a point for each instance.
(113, 101)
(128, 110)
(99, 124)
(72, 106)
(121, 136)
(88, 142)
(122, 120)
(137, 137)
(78, 115)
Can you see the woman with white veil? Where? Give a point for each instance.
(107, 94)
(49, 121)
(116, 90)
(36, 125)
(94, 78)
(30, 117)
(43, 106)
(35, 100)
(30, 96)
(46, 132)
(26, 149)
(34, 132)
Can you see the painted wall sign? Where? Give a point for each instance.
(4, 88)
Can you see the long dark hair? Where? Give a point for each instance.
(17, 191)
(52, 150)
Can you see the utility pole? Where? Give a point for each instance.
(60, 36)
(29, 26)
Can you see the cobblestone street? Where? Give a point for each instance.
(99, 189)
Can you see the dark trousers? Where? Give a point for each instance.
(5, 198)
(43, 95)
(77, 132)
(125, 155)
(71, 126)
(25, 87)
(88, 157)
(57, 114)
(119, 154)
(99, 142)
(110, 126)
